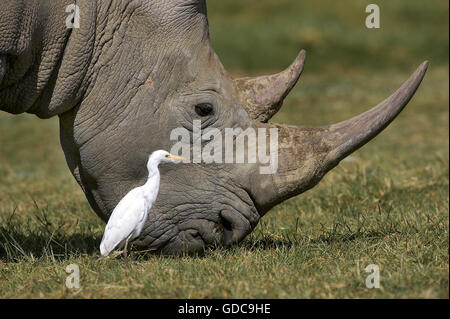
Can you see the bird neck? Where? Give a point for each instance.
(152, 167)
(153, 175)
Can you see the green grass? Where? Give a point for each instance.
(387, 206)
(265, 34)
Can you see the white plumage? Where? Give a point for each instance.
(129, 216)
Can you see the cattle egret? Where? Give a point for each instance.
(128, 218)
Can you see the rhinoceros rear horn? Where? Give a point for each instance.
(263, 96)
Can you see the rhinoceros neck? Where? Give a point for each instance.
(43, 57)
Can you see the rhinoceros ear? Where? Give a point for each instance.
(263, 96)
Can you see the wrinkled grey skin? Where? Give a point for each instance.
(134, 71)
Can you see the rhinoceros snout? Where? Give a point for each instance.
(196, 236)
(235, 227)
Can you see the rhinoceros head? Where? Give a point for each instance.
(152, 70)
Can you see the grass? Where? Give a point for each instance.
(387, 205)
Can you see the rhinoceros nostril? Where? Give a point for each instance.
(194, 233)
(227, 224)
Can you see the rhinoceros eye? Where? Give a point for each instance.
(204, 109)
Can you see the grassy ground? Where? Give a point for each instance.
(387, 205)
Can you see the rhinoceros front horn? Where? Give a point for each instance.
(263, 96)
(305, 155)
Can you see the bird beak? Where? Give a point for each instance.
(177, 158)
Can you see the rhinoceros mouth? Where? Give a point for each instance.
(230, 228)
(202, 229)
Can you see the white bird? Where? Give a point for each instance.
(128, 218)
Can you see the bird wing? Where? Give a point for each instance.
(127, 215)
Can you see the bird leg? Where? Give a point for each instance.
(125, 251)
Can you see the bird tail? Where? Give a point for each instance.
(103, 250)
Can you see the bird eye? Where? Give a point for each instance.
(167, 155)
(204, 109)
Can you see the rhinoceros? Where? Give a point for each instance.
(134, 70)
